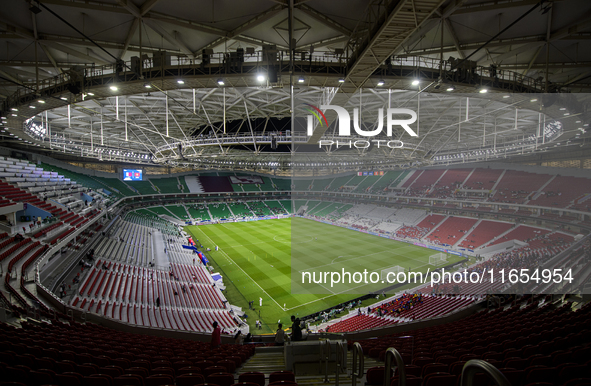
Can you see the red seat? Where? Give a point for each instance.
(93, 380)
(128, 380)
(221, 379)
(13, 374)
(283, 383)
(124, 363)
(188, 370)
(180, 364)
(281, 376)
(163, 370)
(214, 369)
(541, 374)
(112, 370)
(515, 377)
(410, 381)
(578, 382)
(421, 361)
(38, 378)
(440, 379)
(189, 379)
(516, 363)
(142, 363)
(228, 364)
(203, 364)
(375, 375)
(141, 371)
(62, 367)
(159, 380)
(433, 368)
(574, 371)
(252, 377)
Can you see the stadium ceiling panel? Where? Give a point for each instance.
(163, 82)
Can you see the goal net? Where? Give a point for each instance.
(438, 258)
(394, 271)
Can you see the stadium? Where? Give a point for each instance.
(285, 192)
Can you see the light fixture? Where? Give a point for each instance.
(14, 109)
(113, 88)
(221, 82)
(41, 101)
(506, 96)
(381, 83)
(534, 100)
(261, 77)
(15, 115)
(64, 98)
(341, 80)
(180, 81)
(451, 88)
(483, 90)
(415, 82)
(91, 94)
(301, 79)
(32, 107)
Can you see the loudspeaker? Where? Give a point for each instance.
(272, 74)
(273, 142)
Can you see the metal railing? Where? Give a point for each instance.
(357, 369)
(218, 64)
(341, 362)
(391, 352)
(325, 351)
(474, 366)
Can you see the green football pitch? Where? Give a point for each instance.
(267, 259)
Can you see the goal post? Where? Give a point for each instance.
(438, 258)
(395, 270)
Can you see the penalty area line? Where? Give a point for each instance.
(243, 271)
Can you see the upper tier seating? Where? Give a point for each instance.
(451, 230)
(451, 180)
(483, 179)
(484, 232)
(563, 191)
(517, 187)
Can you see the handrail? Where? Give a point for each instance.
(325, 355)
(475, 365)
(340, 361)
(391, 352)
(357, 372)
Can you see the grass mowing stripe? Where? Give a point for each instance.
(229, 258)
(264, 252)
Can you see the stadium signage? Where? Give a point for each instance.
(345, 126)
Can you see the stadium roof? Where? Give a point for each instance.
(213, 86)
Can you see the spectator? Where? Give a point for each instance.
(280, 335)
(216, 338)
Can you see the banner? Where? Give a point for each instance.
(246, 180)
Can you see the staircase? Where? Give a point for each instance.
(435, 227)
(469, 232)
(539, 191)
(270, 359)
